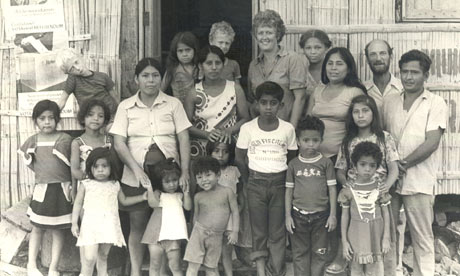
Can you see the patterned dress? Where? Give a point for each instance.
(365, 232)
(50, 206)
(211, 112)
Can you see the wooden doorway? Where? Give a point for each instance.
(197, 16)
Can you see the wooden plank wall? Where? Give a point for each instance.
(442, 47)
(9, 191)
(310, 12)
(449, 150)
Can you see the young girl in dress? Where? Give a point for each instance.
(47, 154)
(229, 177)
(100, 226)
(363, 124)
(365, 215)
(167, 226)
(181, 65)
(93, 116)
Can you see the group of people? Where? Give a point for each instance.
(308, 152)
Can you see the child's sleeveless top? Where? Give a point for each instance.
(101, 223)
(167, 221)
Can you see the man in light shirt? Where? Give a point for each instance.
(379, 55)
(417, 119)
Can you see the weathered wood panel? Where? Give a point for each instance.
(372, 12)
(442, 47)
(448, 153)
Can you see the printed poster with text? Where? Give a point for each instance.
(37, 28)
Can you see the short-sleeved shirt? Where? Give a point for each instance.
(267, 150)
(310, 178)
(333, 113)
(48, 159)
(144, 126)
(181, 82)
(393, 87)
(96, 86)
(288, 71)
(428, 112)
(388, 148)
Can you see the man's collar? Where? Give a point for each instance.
(395, 82)
(425, 94)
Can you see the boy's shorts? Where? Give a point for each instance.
(204, 246)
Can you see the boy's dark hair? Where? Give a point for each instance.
(367, 149)
(204, 164)
(166, 167)
(45, 105)
(87, 106)
(210, 146)
(269, 88)
(99, 153)
(310, 123)
(416, 55)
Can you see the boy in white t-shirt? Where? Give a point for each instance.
(268, 143)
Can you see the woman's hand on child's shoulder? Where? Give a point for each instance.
(184, 182)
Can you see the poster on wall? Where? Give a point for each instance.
(37, 28)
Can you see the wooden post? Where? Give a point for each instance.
(128, 46)
(152, 31)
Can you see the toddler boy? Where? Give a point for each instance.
(309, 179)
(213, 208)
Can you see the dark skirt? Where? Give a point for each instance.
(51, 211)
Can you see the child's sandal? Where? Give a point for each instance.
(336, 269)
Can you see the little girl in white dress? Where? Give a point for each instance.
(167, 226)
(100, 227)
